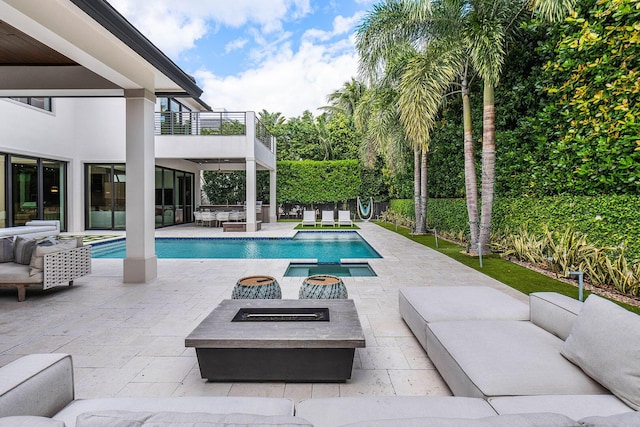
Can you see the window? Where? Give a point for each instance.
(175, 118)
(32, 188)
(43, 103)
(106, 196)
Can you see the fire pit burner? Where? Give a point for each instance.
(293, 314)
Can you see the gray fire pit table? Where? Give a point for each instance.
(278, 340)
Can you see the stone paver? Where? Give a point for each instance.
(128, 339)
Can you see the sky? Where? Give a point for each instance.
(248, 55)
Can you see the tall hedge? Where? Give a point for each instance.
(309, 181)
(607, 220)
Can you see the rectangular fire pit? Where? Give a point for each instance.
(278, 340)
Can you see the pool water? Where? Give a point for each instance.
(337, 269)
(326, 247)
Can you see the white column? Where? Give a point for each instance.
(141, 263)
(250, 156)
(251, 195)
(273, 202)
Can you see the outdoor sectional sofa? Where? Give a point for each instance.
(600, 337)
(576, 359)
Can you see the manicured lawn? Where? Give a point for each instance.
(520, 278)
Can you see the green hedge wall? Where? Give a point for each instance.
(606, 220)
(309, 181)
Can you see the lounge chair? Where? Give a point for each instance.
(344, 218)
(327, 218)
(309, 218)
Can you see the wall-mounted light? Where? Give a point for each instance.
(54, 189)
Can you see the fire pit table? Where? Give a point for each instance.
(278, 340)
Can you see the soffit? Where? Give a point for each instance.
(57, 32)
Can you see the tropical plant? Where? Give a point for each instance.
(346, 99)
(449, 35)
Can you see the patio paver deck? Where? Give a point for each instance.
(128, 339)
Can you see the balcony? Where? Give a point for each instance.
(206, 136)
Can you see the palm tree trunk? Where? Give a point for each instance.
(470, 179)
(488, 166)
(422, 227)
(416, 185)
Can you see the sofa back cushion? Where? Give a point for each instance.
(554, 312)
(513, 420)
(23, 249)
(605, 344)
(6, 249)
(184, 419)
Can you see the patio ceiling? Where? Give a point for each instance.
(31, 68)
(64, 48)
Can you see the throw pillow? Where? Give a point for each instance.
(184, 419)
(23, 249)
(37, 260)
(628, 419)
(6, 249)
(605, 343)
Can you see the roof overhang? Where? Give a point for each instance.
(81, 48)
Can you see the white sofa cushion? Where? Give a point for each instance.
(575, 406)
(553, 312)
(487, 358)
(184, 419)
(605, 343)
(519, 420)
(335, 411)
(420, 305)
(36, 384)
(208, 404)
(13, 273)
(629, 419)
(29, 421)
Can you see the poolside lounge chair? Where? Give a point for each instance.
(327, 218)
(344, 218)
(309, 218)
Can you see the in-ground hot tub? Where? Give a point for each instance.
(278, 340)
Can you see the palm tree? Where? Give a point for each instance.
(346, 99)
(271, 120)
(451, 35)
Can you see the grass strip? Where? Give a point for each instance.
(513, 275)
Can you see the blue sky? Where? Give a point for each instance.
(281, 55)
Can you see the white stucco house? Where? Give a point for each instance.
(101, 130)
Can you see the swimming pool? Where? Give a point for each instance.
(325, 246)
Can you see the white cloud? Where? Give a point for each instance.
(289, 82)
(174, 26)
(235, 45)
(341, 26)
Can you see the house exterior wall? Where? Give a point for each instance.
(77, 131)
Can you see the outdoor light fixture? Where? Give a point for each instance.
(54, 189)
